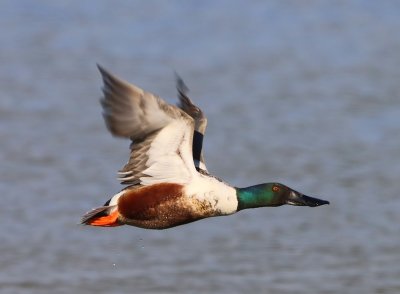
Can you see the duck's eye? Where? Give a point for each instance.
(276, 189)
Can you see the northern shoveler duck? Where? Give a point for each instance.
(167, 181)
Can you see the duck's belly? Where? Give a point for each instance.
(161, 206)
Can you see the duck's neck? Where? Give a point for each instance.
(255, 196)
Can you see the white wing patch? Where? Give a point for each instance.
(169, 158)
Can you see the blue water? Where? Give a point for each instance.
(302, 92)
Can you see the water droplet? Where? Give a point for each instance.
(141, 242)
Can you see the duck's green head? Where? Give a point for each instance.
(273, 194)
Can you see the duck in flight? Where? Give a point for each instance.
(167, 182)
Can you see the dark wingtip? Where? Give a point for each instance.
(180, 84)
(101, 69)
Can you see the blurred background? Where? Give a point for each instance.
(302, 92)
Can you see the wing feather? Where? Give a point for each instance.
(161, 134)
(186, 104)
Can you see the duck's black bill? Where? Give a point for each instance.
(298, 199)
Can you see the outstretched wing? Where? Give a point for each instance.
(200, 122)
(161, 134)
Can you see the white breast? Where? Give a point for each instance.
(221, 196)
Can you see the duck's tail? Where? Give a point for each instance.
(104, 216)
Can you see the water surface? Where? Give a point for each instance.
(302, 92)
